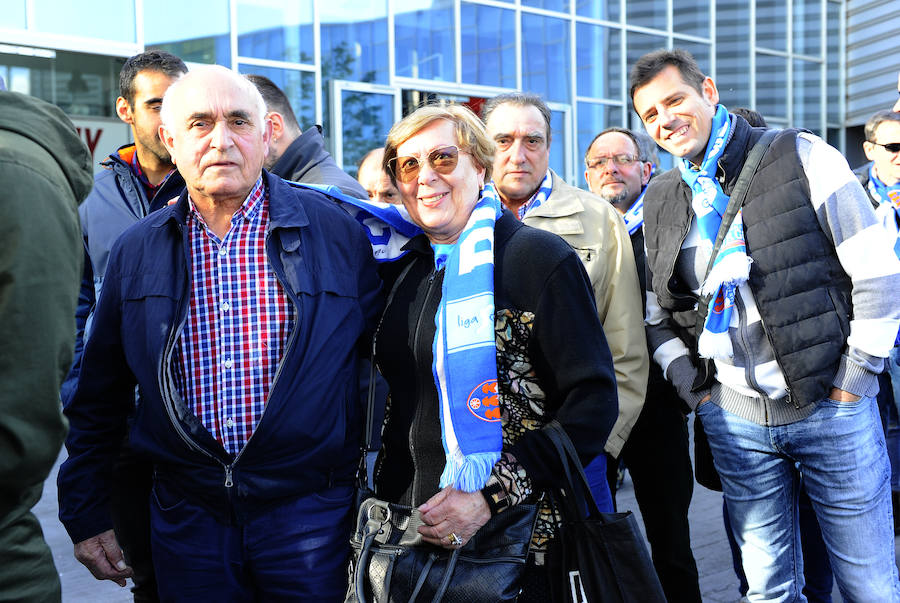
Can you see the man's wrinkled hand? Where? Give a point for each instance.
(102, 555)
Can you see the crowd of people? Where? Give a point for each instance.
(236, 285)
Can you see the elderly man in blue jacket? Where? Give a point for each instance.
(238, 312)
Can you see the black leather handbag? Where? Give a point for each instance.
(392, 564)
(595, 556)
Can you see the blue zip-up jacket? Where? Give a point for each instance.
(308, 437)
(118, 200)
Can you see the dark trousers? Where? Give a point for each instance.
(130, 508)
(658, 460)
(295, 551)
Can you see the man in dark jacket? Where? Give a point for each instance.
(238, 312)
(296, 155)
(656, 452)
(137, 179)
(45, 172)
(782, 369)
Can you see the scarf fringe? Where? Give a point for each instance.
(714, 345)
(733, 270)
(472, 475)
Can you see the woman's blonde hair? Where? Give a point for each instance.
(471, 136)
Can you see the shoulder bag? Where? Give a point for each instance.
(595, 556)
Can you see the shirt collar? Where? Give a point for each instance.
(248, 210)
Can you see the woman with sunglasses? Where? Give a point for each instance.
(490, 332)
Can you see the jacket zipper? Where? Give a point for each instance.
(416, 344)
(278, 370)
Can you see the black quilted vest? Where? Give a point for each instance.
(802, 292)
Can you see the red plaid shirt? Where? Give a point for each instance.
(237, 326)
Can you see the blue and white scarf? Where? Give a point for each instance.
(732, 265)
(541, 195)
(465, 354)
(888, 210)
(634, 217)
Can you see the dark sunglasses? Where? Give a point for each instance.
(442, 160)
(891, 147)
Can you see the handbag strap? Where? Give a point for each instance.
(362, 475)
(741, 187)
(579, 501)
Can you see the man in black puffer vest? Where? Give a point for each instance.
(802, 311)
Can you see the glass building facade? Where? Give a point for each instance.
(356, 67)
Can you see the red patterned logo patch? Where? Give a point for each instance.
(484, 402)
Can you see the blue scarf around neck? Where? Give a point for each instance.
(731, 267)
(464, 347)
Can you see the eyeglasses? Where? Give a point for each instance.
(891, 147)
(623, 160)
(442, 160)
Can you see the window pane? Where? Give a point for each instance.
(80, 84)
(558, 143)
(691, 17)
(638, 44)
(558, 5)
(807, 108)
(598, 58)
(834, 63)
(354, 41)
(198, 35)
(646, 13)
(488, 45)
(13, 14)
(807, 27)
(592, 119)
(424, 42)
(771, 24)
(700, 52)
(599, 9)
(546, 67)
(86, 18)
(298, 86)
(771, 84)
(280, 30)
(733, 53)
(366, 119)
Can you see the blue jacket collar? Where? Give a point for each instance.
(285, 206)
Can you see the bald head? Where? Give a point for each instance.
(215, 129)
(374, 179)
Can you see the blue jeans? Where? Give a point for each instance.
(295, 551)
(595, 473)
(841, 453)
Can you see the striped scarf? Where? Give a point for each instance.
(731, 267)
(464, 347)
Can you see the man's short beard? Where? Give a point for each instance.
(616, 199)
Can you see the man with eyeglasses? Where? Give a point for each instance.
(656, 453)
(519, 125)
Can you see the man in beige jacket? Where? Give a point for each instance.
(519, 125)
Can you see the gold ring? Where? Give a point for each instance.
(454, 539)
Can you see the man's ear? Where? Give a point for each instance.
(710, 92)
(869, 150)
(123, 110)
(645, 172)
(277, 124)
(167, 140)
